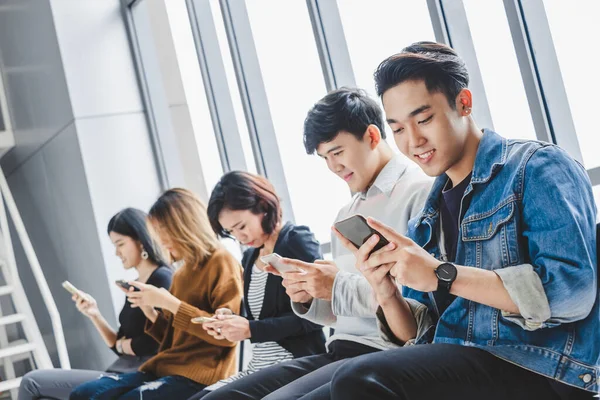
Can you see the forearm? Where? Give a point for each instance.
(399, 317)
(126, 347)
(151, 314)
(172, 304)
(106, 331)
(484, 287)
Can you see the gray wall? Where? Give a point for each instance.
(82, 152)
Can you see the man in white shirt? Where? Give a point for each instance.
(346, 129)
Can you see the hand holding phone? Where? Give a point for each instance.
(125, 285)
(357, 231)
(275, 261)
(85, 303)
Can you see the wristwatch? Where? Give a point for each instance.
(119, 346)
(446, 274)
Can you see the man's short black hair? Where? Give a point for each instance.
(438, 65)
(346, 109)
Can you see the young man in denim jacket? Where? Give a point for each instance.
(503, 256)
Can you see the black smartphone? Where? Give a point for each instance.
(357, 230)
(123, 283)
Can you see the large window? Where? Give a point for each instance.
(375, 30)
(293, 78)
(499, 68)
(294, 81)
(195, 94)
(575, 32)
(233, 89)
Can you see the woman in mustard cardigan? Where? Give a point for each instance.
(210, 278)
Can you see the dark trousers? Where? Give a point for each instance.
(301, 378)
(441, 371)
(136, 385)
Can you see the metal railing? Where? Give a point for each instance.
(41, 353)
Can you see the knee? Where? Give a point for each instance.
(345, 381)
(220, 393)
(30, 384)
(352, 380)
(200, 395)
(77, 394)
(82, 392)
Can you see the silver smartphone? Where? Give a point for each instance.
(70, 288)
(201, 320)
(274, 260)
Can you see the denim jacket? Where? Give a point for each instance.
(531, 220)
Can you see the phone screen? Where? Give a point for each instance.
(274, 260)
(356, 230)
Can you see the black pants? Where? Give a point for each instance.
(302, 378)
(441, 371)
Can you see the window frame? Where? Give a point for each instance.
(530, 34)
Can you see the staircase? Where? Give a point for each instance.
(20, 337)
(31, 347)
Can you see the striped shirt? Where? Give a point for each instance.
(263, 354)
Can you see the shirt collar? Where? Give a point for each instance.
(387, 178)
(491, 156)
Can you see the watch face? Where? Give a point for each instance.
(446, 272)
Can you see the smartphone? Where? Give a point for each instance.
(70, 288)
(125, 285)
(357, 230)
(201, 320)
(274, 260)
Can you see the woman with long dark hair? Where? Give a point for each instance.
(246, 207)
(136, 247)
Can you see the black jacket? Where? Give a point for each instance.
(277, 322)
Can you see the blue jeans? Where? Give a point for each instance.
(136, 385)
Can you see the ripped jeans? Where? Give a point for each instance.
(136, 385)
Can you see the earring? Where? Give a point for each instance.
(144, 254)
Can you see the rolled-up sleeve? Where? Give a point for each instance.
(558, 225)
(352, 296)
(526, 290)
(318, 312)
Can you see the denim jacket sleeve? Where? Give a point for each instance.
(558, 285)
